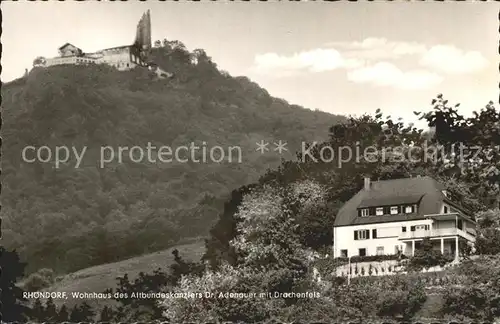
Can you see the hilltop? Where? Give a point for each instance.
(70, 218)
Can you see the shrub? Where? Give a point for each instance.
(36, 282)
(43, 278)
(479, 298)
(426, 257)
(403, 299)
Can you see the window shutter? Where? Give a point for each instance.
(367, 233)
(359, 212)
(400, 209)
(412, 228)
(374, 233)
(355, 235)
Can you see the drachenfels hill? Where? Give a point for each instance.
(70, 217)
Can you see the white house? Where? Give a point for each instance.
(394, 216)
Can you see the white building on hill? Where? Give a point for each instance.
(394, 216)
(121, 57)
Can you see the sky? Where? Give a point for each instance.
(339, 57)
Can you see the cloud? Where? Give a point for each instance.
(452, 60)
(367, 61)
(444, 58)
(387, 74)
(379, 49)
(316, 60)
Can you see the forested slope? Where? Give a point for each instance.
(69, 217)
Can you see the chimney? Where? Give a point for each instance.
(367, 183)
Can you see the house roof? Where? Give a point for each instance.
(390, 200)
(66, 45)
(424, 191)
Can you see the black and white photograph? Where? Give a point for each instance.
(250, 162)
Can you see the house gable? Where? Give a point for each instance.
(69, 50)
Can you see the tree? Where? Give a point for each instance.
(37, 311)
(488, 233)
(13, 303)
(82, 313)
(479, 163)
(75, 314)
(86, 312)
(479, 296)
(50, 313)
(62, 315)
(41, 279)
(106, 314)
(39, 61)
(269, 257)
(426, 257)
(404, 299)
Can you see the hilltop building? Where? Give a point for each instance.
(122, 57)
(394, 216)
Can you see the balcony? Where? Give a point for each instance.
(434, 232)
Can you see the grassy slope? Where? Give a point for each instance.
(101, 277)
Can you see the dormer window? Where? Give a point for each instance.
(365, 212)
(408, 209)
(394, 210)
(379, 211)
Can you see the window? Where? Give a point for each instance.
(380, 211)
(343, 253)
(460, 224)
(362, 234)
(364, 212)
(374, 233)
(403, 229)
(362, 252)
(412, 228)
(409, 209)
(445, 209)
(394, 210)
(380, 250)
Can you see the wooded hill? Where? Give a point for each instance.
(70, 218)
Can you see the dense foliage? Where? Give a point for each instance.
(478, 298)
(396, 150)
(271, 259)
(488, 238)
(427, 257)
(12, 300)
